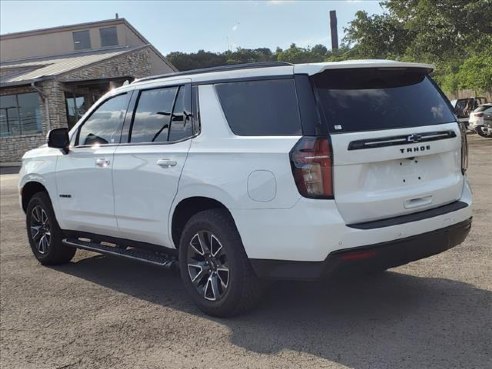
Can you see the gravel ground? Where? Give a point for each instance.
(102, 312)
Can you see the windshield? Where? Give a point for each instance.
(374, 99)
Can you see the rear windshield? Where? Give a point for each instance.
(374, 99)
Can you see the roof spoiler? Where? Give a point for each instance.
(315, 68)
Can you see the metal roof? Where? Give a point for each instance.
(23, 72)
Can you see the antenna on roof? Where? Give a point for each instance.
(116, 16)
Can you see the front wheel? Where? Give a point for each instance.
(214, 267)
(44, 233)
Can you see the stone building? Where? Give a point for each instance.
(50, 77)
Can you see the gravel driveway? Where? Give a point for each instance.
(102, 312)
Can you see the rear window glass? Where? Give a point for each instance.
(376, 99)
(261, 108)
(153, 115)
(482, 108)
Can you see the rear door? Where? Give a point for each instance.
(148, 167)
(396, 144)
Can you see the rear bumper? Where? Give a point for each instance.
(314, 229)
(369, 257)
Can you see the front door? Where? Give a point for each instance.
(84, 175)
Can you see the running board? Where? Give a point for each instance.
(147, 256)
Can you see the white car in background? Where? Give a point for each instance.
(252, 172)
(481, 120)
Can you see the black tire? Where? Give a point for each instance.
(482, 133)
(217, 231)
(44, 233)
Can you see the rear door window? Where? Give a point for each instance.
(261, 108)
(181, 123)
(377, 99)
(163, 115)
(152, 116)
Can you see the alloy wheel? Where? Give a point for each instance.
(208, 266)
(40, 229)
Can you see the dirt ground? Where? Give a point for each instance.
(103, 312)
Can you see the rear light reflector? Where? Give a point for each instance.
(312, 166)
(358, 255)
(464, 150)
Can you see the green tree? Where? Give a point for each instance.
(201, 59)
(295, 54)
(377, 36)
(476, 72)
(455, 35)
(425, 30)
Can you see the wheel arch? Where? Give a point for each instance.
(29, 190)
(188, 207)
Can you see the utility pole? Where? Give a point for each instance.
(334, 30)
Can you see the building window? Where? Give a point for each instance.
(109, 37)
(20, 115)
(81, 40)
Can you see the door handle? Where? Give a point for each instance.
(166, 163)
(415, 203)
(102, 162)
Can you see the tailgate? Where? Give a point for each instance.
(379, 175)
(396, 143)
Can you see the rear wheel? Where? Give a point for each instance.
(44, 233)
(484, 132)
(214, 267)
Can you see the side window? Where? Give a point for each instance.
(104, 124)
(181, 124)
(261, 108)
(162, 115)
(153, 115)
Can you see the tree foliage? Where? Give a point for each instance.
(455, 35)
(293, 54)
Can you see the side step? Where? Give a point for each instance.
(147, 256)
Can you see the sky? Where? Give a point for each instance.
(189, 26)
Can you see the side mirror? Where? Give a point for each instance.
(58, 138)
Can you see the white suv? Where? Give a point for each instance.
(260, 171)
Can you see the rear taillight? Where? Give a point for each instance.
(312, 166)
(478, 115)
(464, 150)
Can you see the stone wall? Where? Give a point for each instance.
(53, 109)
(12, 148)
(136, 64)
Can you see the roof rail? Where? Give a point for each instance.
(221, 68)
